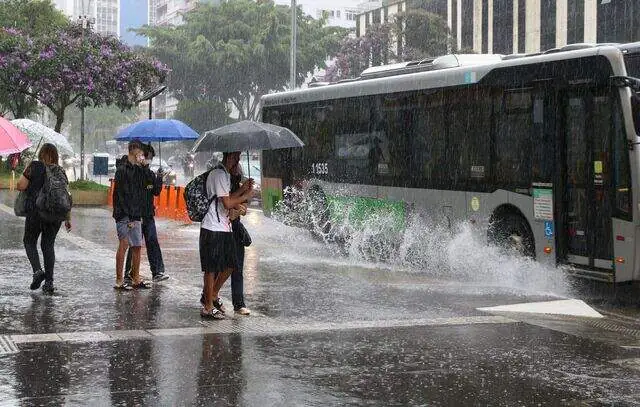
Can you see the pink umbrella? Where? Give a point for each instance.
(12, 140)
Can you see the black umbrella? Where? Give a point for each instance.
(247, 135)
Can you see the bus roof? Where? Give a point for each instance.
(444, 71)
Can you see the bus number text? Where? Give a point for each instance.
(320, 168)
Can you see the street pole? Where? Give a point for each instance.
(294, 38)
(84, 26)
(82, 140)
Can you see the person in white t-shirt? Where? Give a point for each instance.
(217, 245)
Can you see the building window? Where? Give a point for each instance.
(351, 15)
(337, 13)
(575, 21)
(617, 21)
(485, 26)
(522, 25)
(454, 24)
(467, 24)
(548, 25)
(377, 19)
(503, 26)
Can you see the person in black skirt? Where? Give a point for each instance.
(218, 255)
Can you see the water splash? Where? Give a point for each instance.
(458, 252)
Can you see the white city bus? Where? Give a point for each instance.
(536, 151)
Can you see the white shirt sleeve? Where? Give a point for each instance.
(218, 183)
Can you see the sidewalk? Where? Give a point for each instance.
(84, 277)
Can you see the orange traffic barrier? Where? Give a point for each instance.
(182, 206)
(169, 204)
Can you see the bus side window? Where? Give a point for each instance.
(544, 130)
(428, 142)
(514, 128)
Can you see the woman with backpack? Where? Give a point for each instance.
(44, 182)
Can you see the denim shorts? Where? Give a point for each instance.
(132, 234)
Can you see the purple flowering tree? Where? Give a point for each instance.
(13, 84)
(75, 67)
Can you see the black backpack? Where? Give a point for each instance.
(54, 199)
(196, 196)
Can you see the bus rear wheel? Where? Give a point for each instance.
(511, 232)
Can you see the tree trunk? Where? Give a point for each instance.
(20, 111)
(59, 119)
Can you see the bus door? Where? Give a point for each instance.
(584, 182)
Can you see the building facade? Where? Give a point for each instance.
(169, 12)
(522, 26)
(103, 14)
(339, 13)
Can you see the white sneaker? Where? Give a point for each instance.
(243, 311)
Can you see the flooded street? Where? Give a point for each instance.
(326, 328)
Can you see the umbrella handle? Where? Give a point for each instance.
(37, 148)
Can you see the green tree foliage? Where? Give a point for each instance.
(411, 35)
(75, 66)
(359, 53)
(423, 34)
(34, 18)
(203, 115)
(238, 51)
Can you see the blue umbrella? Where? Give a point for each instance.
(157, 130)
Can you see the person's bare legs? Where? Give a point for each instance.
(120, 254)
(135, 265)
(209, 283)
(219, 282)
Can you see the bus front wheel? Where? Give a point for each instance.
(511, 231)
(318, 213)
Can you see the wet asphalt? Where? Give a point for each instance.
(326, 329)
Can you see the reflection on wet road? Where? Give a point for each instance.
(328, 329)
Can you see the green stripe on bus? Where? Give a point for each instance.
(361, 210)
(270, 198)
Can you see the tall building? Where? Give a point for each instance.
(524, 26)
(340, 13)
(104, 14)
(169, 12)
(133, 14)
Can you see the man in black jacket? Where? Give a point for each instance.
(128, 209)
(153, 187)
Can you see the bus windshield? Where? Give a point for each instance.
(632, 62)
